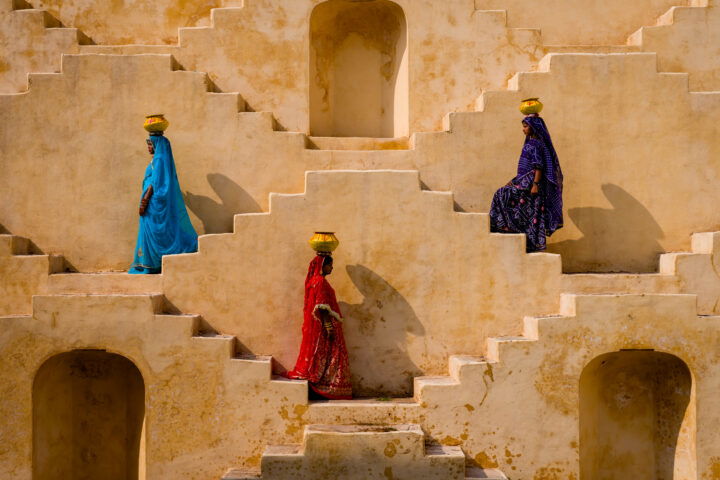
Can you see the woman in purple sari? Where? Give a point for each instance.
(531, 203)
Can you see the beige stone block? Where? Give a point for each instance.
(104, 283)
(21, 277)
(367, 452)
(13, 245)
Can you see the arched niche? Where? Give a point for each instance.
(88, 417)
(637, 417)
(358, 69)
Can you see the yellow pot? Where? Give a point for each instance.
(530, 106)
(324, 242)
(156, 123)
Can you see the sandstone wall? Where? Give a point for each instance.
(686, 40)
(601, 111)
(204, 411)
(582, 22)
(30, 41)
(417, 281)
(517, 410)
(501, 412)
(133, 22)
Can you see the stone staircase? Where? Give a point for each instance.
(223, 18)
(32, 41)
(362, 438)
(693, 272)
(357, 437)
(364, 452)
(23, 272)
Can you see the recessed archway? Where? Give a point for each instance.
(358, 69)
(88, 416)
(637, 417)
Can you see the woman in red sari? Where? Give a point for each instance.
(323, 359)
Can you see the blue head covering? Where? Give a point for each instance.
(552, 165)
(165, 228)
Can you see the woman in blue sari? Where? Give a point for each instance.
(531, 203)
(165, 227)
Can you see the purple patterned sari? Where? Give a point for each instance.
(514, 209)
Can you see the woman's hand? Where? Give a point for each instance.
(145, 200)
(329, 328)
(534, 189)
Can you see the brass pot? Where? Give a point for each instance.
(324, 242)
(530, 106)
(156, 123)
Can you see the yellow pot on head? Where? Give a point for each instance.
(530, 106)
(324, 242)
(156, 123)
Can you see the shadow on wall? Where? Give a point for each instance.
(377, 333)
(622, 238)
(218, 217)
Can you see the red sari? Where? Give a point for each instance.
(322, 361)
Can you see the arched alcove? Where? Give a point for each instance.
(637, 417)
(88, 416)
(358, 69)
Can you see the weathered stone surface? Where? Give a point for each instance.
(616, 220)
(31, 41)
(401, 322)
(686, 39)
(582, 22)
(530, 389)
(618, 380)
(200, 403)
(363, 452)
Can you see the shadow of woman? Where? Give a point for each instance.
(377, 335)
(622, 238)
(218, 217)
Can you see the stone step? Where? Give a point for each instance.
(359, 160)
(252, 366)
(606, 283)
(592, 48)
(105, 283)
(241, 474)
(484, 473)
(363, 452)
(496, 345)
(13, 245)
(129, 49)
(459, 364)
(470, 473)
(357, 143)
(183, 326)
(371, 411)
(424, 386)
(10, 5)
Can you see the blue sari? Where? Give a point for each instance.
(165, 228)
(514, 209)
